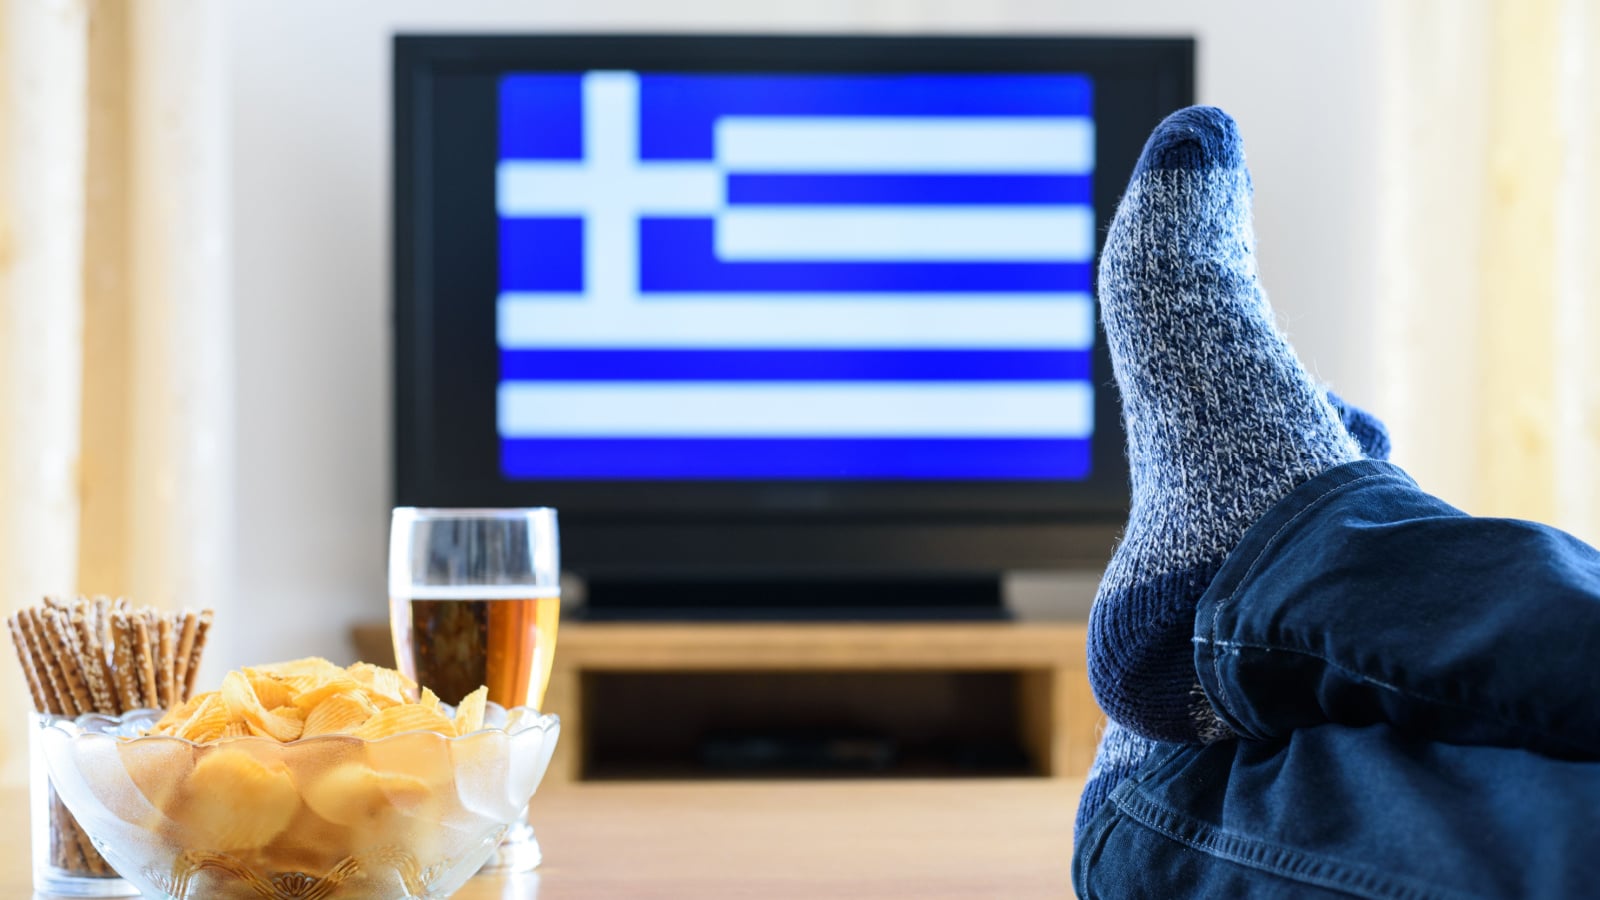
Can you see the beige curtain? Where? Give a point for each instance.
(1488, 334)
(115, 329)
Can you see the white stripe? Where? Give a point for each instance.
(858, 409)
(946, 233)
(904, 144)
(1057, 321)
(530, 188)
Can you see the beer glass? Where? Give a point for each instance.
(475, 599)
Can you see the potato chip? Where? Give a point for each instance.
(207, 721)
(269, 689)
(179, 714)
(386, 687)
(243, 705)
(227, 781)
(340, 714)
(313, 666)
(354, 795)
(342, 685)
(400, 719)
(310, 697)
(469, 713)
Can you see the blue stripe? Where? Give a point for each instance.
(996, 190)
(949, 459)
(541, 254)
(678, 255)
(677, 113)
(541, 117)
(794, 365)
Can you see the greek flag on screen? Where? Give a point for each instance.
(773, 276)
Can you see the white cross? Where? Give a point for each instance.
(610, 187)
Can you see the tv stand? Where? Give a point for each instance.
(857, 699)
(802, 599)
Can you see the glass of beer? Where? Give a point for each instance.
(475, 599)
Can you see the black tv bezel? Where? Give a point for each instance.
(748, 528)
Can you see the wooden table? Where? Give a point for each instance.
(933, 840)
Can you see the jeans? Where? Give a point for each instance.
(1417, 695)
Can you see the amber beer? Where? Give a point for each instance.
(457, 638)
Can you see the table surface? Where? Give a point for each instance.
(938, 840)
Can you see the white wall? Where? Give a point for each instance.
(310, 93)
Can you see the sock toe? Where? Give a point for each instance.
(1198, 137)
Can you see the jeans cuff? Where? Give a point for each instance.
(1217, 615)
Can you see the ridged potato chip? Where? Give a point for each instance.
(270, 689)
(386, 687)
(207, 722)
(354, 795)
(226, 781)
(243, 705)
(400, 719)
(339, 714)
(312, 666)
(310, 697)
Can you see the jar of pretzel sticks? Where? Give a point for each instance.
(94, 657)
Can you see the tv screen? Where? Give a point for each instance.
(795, 276)
(766, 305)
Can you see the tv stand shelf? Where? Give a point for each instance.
(634, 698)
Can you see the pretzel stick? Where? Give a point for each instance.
(65, 639)
(81, 856)
(93, 664)
(202, 628)
(94, 611)
(58, 637)
(124, 662)
(180, 674)
(29, 670)
(92, 863)
(148, 695)
(33, 628)
(167, 642)
(65, 852)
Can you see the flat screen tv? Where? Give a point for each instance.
(777, 323)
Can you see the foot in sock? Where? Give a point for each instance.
(1121, 752)
(1222, 421)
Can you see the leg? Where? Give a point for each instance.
(1122, 752)
(1337, 812)
(1360, 599)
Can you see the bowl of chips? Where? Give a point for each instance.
(301, 779)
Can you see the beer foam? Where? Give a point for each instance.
(477, 592)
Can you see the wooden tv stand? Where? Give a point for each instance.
(634, 689)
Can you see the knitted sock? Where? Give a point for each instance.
(1368, 430)
(1121, 752)
(1222, 421)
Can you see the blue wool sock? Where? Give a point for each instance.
(1368, 430)
(1222, 420)
(1121, 752)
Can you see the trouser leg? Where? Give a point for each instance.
(1335, 811)
(1361, 599)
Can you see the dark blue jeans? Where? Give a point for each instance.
(1417, 694)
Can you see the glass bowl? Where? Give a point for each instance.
(334, 817)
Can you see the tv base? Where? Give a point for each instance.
(975, 599)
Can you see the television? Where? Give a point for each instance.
(781, 325)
